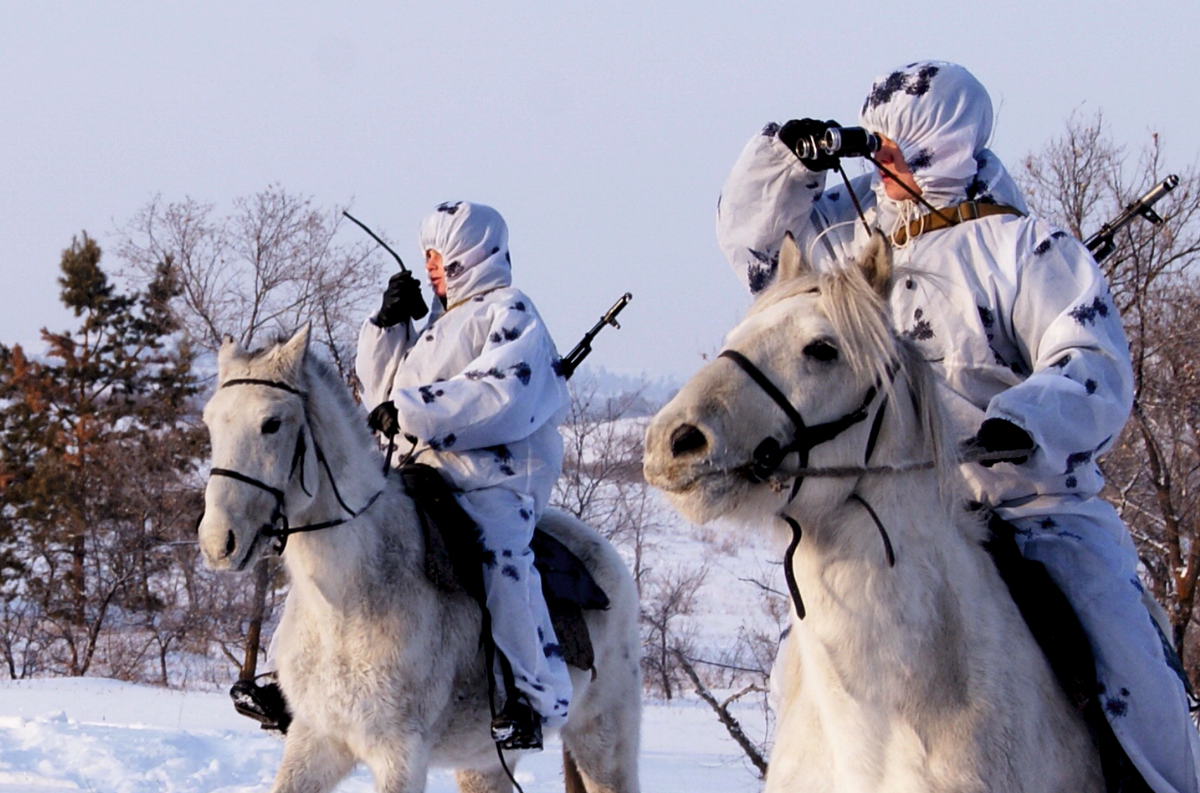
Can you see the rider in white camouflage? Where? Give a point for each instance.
(1019, 321)
(480, 391)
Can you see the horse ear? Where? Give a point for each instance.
(290, 354)
(230, 349)
(876, 263)
(791, 263)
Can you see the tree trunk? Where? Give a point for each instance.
(258, 609)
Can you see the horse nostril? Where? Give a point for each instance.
(230, 544)
(687, 438)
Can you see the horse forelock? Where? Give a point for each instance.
(858, 314)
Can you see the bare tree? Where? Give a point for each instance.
(266, 268)
(601, 482)
(754, 752)
(1078, 181)
(672, 595)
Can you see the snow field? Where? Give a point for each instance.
(92, 734)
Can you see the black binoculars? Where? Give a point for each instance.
(838, 142)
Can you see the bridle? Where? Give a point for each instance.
(278, 528)
(769, 454)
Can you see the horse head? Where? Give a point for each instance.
(263, 458)
(806, 367)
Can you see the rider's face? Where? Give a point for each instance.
(889, 156)
(437, 272)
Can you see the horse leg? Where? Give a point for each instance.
(311, 763)
(472, 781)
(600, 750)
(399, 764)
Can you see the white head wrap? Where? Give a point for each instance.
(941, 118)
(473, 242)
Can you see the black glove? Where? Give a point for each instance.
(402, 301)
(811, 130)
(999, 435)
(384, 419)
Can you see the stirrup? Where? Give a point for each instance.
(265, 704)
(517, 726)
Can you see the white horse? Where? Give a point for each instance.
(908, 668)
(377, 665)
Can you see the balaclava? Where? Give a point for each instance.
(473, 242)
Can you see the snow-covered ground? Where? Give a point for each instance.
(111, 737)
(63, 734)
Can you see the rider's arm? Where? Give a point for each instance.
(770, 192)
(1080, 391)
(379, 353)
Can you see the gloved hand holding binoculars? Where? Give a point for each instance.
(820, 144)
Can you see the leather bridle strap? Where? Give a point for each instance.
(814, 436)
(282, 386)
(805, 438)
(279, 529)
(765, 384)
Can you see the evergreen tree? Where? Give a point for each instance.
(91, 433)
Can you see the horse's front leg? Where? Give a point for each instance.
(470, 781)
(399, 763)
(312, 763)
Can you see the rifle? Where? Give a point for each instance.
(575, 357)
(1101, 243)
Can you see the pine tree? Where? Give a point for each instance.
(88, 431)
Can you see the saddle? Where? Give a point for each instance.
(454, 563)
(1057, 631)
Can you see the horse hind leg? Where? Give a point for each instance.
(600, 754)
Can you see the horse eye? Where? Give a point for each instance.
(271, 425)
(821, 350)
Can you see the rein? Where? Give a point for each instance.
(769, 456)
(278, 529)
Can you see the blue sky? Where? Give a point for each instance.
(602, 131)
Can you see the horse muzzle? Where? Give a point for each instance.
(224, 548)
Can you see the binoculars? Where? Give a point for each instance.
(838, 142)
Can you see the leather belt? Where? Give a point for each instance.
(951, 216)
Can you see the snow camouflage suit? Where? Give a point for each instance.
(481, 390)
(1021, 326)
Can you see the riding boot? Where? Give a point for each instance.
(265, 704)
(517, 726)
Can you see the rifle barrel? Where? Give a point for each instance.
(570, 362)
(1101, 244)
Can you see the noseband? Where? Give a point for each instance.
(769, 455)
(278, 528)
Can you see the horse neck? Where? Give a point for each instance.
(350, 478)
(855, 601)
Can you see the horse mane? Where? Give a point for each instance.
(317, 370)
(861, 320)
